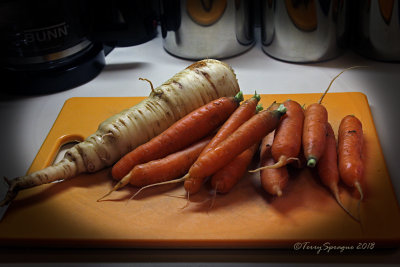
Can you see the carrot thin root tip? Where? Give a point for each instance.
(283, 160)
(337, 197)
(124, 181)
(160, 183)
(278, 191)
(358, 186)
(103, 197)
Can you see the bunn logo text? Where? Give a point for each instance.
(46, 34)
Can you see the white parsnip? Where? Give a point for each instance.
(189, 89)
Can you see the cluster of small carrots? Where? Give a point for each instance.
(306, 138)
(212, 141)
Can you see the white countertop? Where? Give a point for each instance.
(27, 120)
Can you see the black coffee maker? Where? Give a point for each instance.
(52, 45)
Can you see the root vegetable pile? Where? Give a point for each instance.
(195, 126)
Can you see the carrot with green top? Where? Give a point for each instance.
(287, 141)
(248, 134)
(314, 133)
(314, 129)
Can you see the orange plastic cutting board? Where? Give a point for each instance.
(68, 214)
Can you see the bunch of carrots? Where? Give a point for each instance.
(306, 138)
(219, 141)
(212, 141)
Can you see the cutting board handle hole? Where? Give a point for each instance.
(61, 152)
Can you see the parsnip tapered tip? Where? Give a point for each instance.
(8, 198)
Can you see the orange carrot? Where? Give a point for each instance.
(243, 113)
(181, 134)
(350, 149)
(314, 133)
(227, 177)
(287, 141)
(170, 167)
(272, 180)
(327, 167)
(248, 134)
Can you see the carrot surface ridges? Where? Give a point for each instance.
(350, 152)
(189, 89)
(243, 113)
(314, 133)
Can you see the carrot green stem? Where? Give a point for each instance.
(281, 109)
(311, 162)
(257, 96)
(239, 97)
(259, 107)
